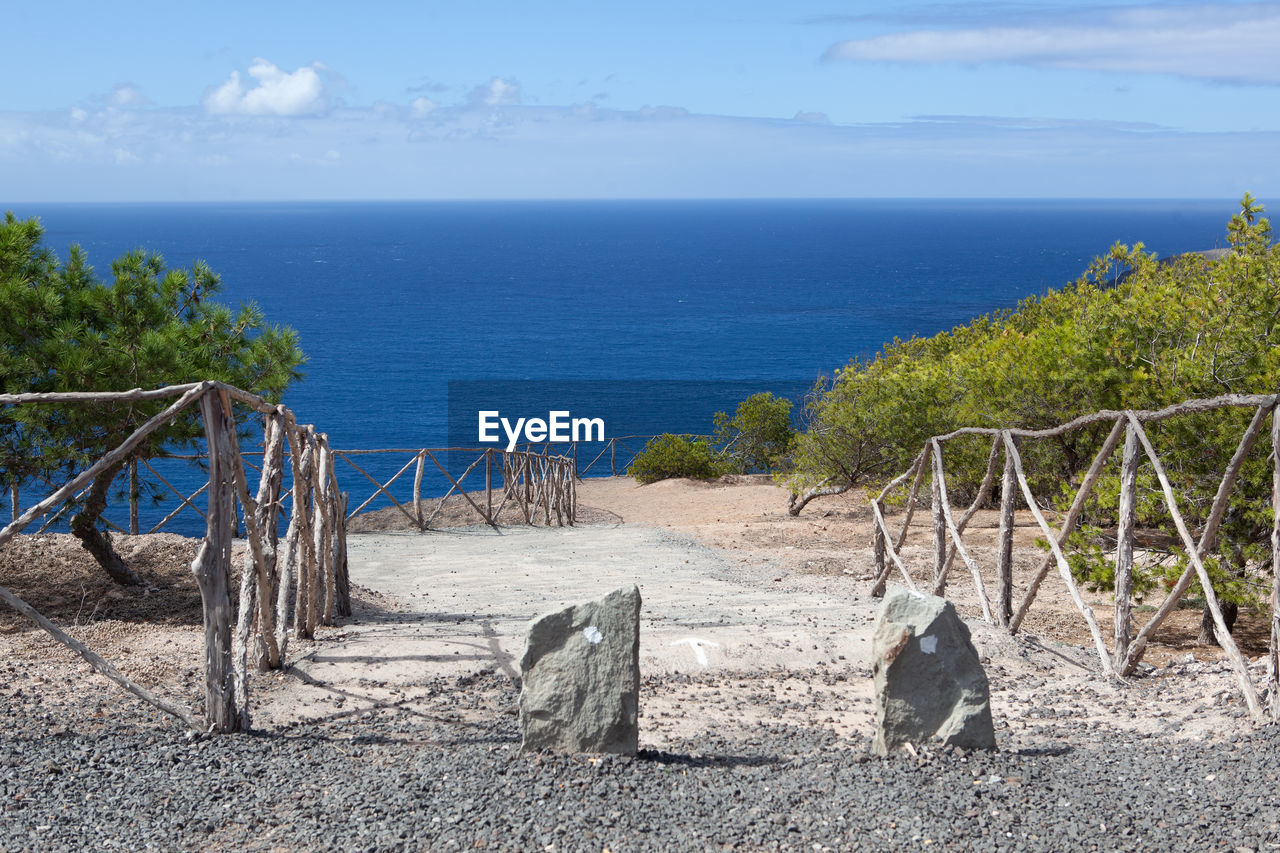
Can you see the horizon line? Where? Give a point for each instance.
(619, 199)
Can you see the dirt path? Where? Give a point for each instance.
(751, 617)
(739, 598)
(460, 602)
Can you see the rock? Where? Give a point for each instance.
(580, 676)
(929, 683)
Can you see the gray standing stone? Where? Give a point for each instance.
(580, 677)
(929, 683)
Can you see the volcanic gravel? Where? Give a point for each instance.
(445, 773)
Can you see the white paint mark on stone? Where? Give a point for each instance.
(694, 643)
(929, 644)
(592, 634)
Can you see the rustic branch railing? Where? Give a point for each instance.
(135, 479)
(1127, 647)
(614, 456)
(315, 545)
(541, 486)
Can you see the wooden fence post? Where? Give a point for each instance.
(573, 497)
(301, 550)
(270, 485)
(417, 491)
(939, 520)
(322, 582)
(343, 576)
(522, 488)
(877, 546)
(133, 497)
(1124, 550)
(288, 566)
(548, 492)
(330, 505)
(562, 500)
(212, 569)
(488, 485)
(1004, 549)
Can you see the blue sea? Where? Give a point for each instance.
(393, 301)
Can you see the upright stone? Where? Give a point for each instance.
(580, 677)
(929, 683)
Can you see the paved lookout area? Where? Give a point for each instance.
(460, 601)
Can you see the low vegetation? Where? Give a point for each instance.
(759, 435)
(1133, 332)
(667, 456)
(757, 438)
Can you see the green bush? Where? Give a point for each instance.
(1133, 332)
(667, 456)
(758, 435)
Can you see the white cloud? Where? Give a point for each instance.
(278, 92)
(567, 151)
(126, 95)
(422, 107)
(497, 92)
(1223, 43)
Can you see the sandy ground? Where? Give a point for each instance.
(747, 610)
(463, 601)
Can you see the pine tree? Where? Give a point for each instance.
(64, 329)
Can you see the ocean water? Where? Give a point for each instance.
(393, 301)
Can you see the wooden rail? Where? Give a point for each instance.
(1127, 647)
(544, 487)
(589, 459)
(310, 579)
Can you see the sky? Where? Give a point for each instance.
(164, 101)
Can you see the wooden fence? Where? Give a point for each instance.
(309, 579)
(135, 476)
(542, 486)
(1127, 647)
(545, 488)
(544, 491)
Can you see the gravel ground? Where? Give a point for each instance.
(445, 773)
(761, 759)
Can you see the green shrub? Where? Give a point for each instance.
(667, 456)
(758, 435)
